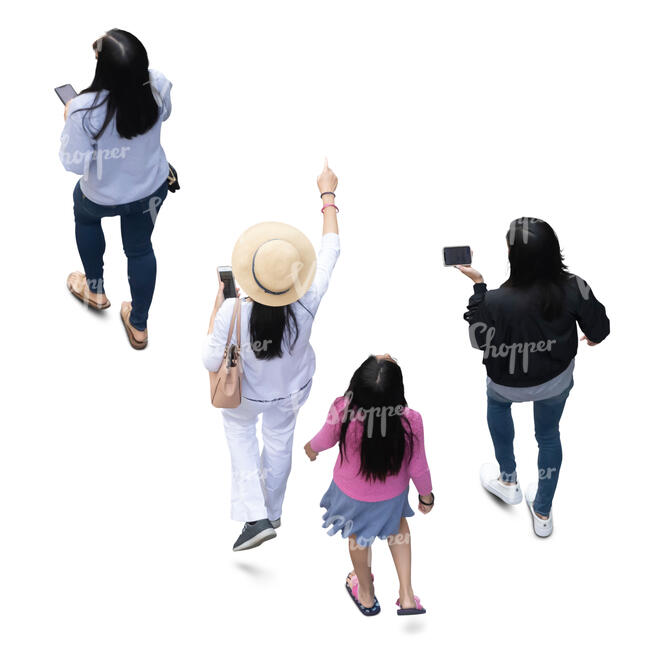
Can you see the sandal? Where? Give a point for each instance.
(354, 594)
(125, 313)
(77, 286)
(411, 611)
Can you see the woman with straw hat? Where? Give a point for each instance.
(276, 266)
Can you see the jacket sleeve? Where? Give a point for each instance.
(330, 434)
(418, 466)
(477, 316)
(590, 314)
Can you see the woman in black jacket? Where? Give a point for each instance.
(527, 331)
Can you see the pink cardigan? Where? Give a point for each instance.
(346, 471)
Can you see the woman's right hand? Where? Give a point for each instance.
(470, 272)
(327, 181)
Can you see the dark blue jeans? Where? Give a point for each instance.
(137, 220)
(547, 414)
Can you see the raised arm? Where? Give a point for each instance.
(327, 184)
(476, 314)
(330, 244)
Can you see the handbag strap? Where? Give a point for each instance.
(238, 310)
(235, 315)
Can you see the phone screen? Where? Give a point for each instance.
(65, 93)
(457, 255)
(226, 276)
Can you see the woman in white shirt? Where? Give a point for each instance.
(112, 139)
(276, 266)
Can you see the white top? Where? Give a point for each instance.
(270, 379)
(115, 170)
(551, 388)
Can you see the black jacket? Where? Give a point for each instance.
(520, 348)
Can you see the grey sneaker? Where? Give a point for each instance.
(276, 523)
(254, 534)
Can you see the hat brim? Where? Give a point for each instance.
(251, 240)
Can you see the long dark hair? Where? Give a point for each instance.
(123, 70)
(269, 327)
(376, 397)
(536, 262)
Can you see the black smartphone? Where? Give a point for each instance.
(65, 93)
(226, 276)
(453, 255)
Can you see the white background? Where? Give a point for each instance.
(443, 121)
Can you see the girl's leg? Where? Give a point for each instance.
(361, 557)
(502, 430)
(400, 548)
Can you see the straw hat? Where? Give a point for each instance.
(274, 263)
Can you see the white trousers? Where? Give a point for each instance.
(259, 481)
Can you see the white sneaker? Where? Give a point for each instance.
(510, 494)
(542, 527)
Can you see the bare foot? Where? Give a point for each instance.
(366, 598)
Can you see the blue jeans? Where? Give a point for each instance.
(137, 220)
(547, 414)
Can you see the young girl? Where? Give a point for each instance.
(381, 447)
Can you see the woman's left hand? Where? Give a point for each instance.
(470, 272)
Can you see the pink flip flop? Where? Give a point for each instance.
(354, 594)
(411, 611)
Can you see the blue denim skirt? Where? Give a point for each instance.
(364, 519)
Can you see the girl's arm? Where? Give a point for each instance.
(418, 466)
(329, 435)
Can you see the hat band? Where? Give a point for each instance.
(259, 284)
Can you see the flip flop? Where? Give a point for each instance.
(125, 312)
(354, 594)
(411, 611)
(84, 295)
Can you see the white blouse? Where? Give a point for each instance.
(270, 379)
(115, 170)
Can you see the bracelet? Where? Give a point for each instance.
(324, 193)
(329, 205)
(424, 503)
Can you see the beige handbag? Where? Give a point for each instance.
(225, 384)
